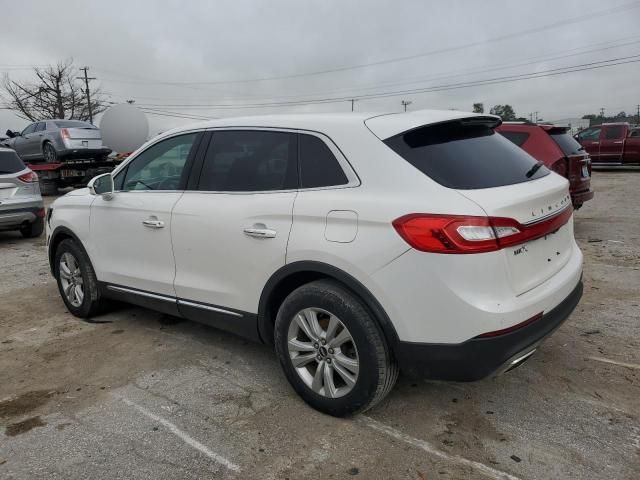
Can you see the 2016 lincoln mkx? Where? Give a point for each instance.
(358, 245)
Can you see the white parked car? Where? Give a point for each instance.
(358, 245)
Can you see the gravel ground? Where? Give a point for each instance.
(135, 394)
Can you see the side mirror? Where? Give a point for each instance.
(102, 185)
(10, 134)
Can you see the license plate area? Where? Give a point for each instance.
(532, 263)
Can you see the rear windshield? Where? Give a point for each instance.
(73, 124)
(567, 143)
(10, 162)
(466, 156)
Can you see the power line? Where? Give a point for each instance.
(561, 23)
(490, 81)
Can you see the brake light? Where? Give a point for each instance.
(28, 177)
(64, 133)
(40, 212)
(471, 234)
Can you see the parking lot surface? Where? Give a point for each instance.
(136, 394)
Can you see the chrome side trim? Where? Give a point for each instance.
(142, 294)
(208, 307)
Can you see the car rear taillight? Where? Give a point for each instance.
(28, 177)
(471, 234)
(64, 133)
(41, 212)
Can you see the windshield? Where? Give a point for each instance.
(466, 156)
(10, 162)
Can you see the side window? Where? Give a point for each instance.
(30, 129)
(635, 133)
(614, 132)
(515, 137)
(250, 161)
(40, 126)
(159, 167)
(590, 134)
(318, 166)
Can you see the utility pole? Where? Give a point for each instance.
(602, 113)
(353, 100)
(87, 93)
(638, 115)
(536, 114)
(531, 117)
(405, 103)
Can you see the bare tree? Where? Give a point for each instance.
(56, 93)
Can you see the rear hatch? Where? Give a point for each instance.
(578, 166)
(80, 134)
(11, 187)
(467, 155)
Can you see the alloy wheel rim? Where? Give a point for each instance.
(323, 352)
(49, 153)
(71, 279)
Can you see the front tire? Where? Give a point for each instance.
(331, 349)
(77, 280)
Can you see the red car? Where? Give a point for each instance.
(558, 150)
(612, 144)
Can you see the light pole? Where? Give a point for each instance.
(405, 103)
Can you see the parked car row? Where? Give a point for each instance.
(356, 245)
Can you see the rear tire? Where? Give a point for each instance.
(49, 153)
(48, 187)
(77, 280)
(361, 370)
(33, 229)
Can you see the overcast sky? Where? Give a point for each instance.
(182, 53)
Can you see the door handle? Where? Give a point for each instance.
(151, 223)
(619, 141)
(260, 231)
(596, 143)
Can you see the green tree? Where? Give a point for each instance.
(478, 107)
(505, 112)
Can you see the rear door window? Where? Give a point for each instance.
(613, 132)
(250, 161)
(590, 134)
(10, 162)
(568, 144)
(318, 165)
(516, 137)
(466, 156)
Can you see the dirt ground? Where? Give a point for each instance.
(135, 394)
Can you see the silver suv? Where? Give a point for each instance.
(52, 140)
(21, 206)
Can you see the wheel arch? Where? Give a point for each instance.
(296, 274)
(59, 234)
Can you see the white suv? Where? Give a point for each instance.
(358, 245)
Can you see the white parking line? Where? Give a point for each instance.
(430, 449)
(180, 434)
(614, 362)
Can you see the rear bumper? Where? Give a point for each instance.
(84, 152)
(578, 198)
(14, 217)
(478, 358)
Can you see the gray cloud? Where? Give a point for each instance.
(132, 46)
